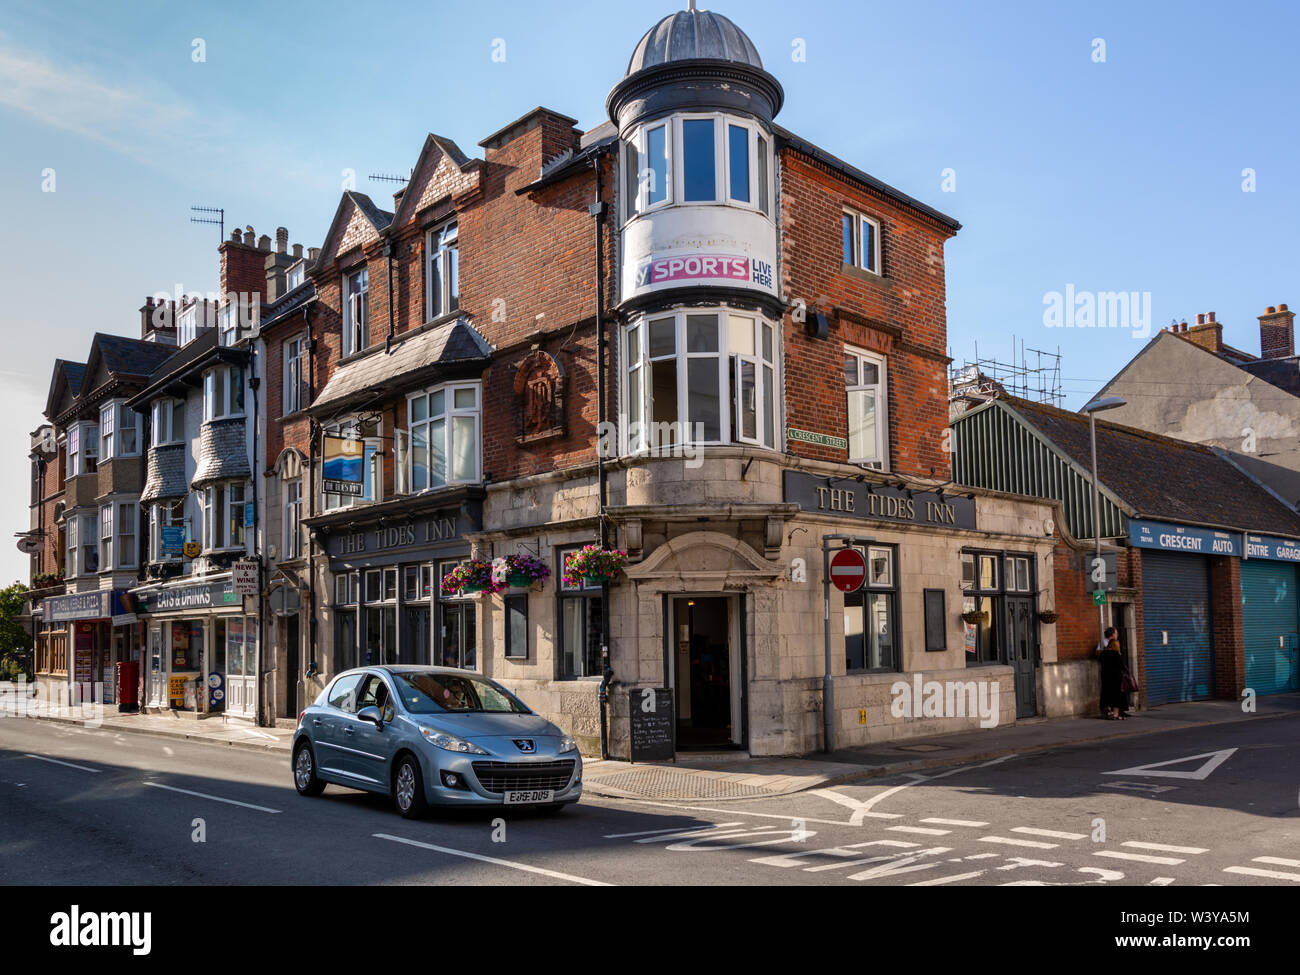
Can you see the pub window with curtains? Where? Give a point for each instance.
(987, 578)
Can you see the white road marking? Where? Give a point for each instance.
(1270, 874)
(954, 822)
(859, 862)
(1105, 875)
(732, 812)
(1213, 761)
(670, 829)
(919, 829)
(525, 867)
(1161, 882)
(902, 863)
(863, 809)
(1012, 841)
(1278, 861)
(55, 761)
(1139, 787)
(794, 859)
(1139, 857)
(678, 834)
(204, 795)
(1055, 834)
(935, 882)
(1162, 848)
(1018, 862)
(752, 838)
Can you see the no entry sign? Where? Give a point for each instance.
(848, 570)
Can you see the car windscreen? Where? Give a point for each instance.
(425, 693)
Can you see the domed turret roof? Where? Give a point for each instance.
(690, 35)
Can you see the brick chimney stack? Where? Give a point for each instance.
(1277, 333)
(1207, 333)
(157, 322)
(278, 263)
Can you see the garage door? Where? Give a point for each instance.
(1270, 624)
(1177, 630)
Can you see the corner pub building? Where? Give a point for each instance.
(686, 333)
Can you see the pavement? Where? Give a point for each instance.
(730, 776)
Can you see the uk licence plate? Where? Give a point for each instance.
(516, 797)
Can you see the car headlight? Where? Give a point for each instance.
(450, 743)
(567, 744)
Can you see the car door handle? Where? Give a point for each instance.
(347, 731)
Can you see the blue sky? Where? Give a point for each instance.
(1115, 175)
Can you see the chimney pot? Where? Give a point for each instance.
(1277, 333)
(264, 243)
(281, 240)
(313, 253)
(1211, 318)
(1200, 318)
(297, 251)
(1282, 307)
(1269, 310)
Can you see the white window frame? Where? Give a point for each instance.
(89, 544)
(215, 522)
(859, 219)
(187, 325)
(767, 379)
(292, 518)
(881, 387)
(440, 244)
(107, 521)
(70, 566)
(83, 446)
(126, 545)
(295, 276)
(356, 335)
(160, 515)
(634, 204)
(229, 323)
(449, 415)
(163, 412)
(295, 356)
(107, 416)
(223, 375)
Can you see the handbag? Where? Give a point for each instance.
(1127, 683)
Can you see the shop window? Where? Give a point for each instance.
(517, 626)
(870, 616)
(443, 271)
(346, 587)
(457, 629)
(580, 612)
(865, 386)
(356, 311)
(700, 377)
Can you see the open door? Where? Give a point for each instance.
(705, 672)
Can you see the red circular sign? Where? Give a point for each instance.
(848, 570)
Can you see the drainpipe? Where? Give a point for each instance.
(254, 383)
(311, 510)
(597, 210)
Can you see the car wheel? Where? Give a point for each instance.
(408, 788)
(304, 772)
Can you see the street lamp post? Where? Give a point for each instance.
(1092, 409)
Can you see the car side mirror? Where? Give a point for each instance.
(371, 713)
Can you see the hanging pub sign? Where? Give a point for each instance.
(849, 497)
(344, 466)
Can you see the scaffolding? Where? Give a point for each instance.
(1032, 374)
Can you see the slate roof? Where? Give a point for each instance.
(1282, 373)
(74, 373)
(421, 356)
(1160, 477)
(223, 452)
(690, 34)
(134, 357)
(180, 364)
(165, 473)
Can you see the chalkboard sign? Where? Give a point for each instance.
(653, 723)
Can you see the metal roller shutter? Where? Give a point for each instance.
(1271, 622)
(1176, 602)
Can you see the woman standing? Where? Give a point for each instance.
(1113, 701)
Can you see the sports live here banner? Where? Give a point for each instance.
(711, 267)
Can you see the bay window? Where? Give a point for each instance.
(83, 449)
(356, 311)
(106, 417)
(164, 514)
(89, 554)
(119, 431)
(444, 430)
(714, 158)
(168, 422)
(223, 392)
(106, 536)
(223, 515)
(443, 271)
(866, 391)
(70, 539)
(700, 376)
(127, 555)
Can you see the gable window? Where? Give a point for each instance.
(223, 392)
(860, 237)
(443, 270)
(701, 376)
(866, 393)
(83, 449)
(223, 515)
(444, 436)
(356, 311)
(364, 429)
(295, 388)
(164, 514)
(168, 422)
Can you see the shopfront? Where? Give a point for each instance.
(202, 649)
(383, 584)
(98, 635)
(1271, 614)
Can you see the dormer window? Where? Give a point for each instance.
(356, 311)
(443, 271)
(296, 276)
(230, 321)
(187, 325)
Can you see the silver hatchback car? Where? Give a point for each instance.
(433, 736)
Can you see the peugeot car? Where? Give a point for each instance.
(433, 736)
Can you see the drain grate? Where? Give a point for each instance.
(662, 783)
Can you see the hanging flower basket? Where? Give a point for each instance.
(975, 616)
(471, 576)
(519, 570)
(1048, 616)
(592, 565)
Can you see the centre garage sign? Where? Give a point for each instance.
(878, 502)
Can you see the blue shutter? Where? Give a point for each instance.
(1269, 618)
(1176, 601)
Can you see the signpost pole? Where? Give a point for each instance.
(828, 686)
